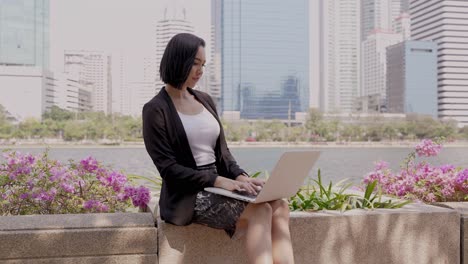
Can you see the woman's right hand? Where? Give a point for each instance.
(232, 185)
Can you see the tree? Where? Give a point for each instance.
(315, 124)
(58, 114)
(5, 126)
(3, 116)
(389, 131)
(74, 130)
(30, 127)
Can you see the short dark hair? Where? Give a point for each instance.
(178, 58)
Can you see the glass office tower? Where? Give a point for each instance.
(412, 77)
(24, 32)
(265, 58)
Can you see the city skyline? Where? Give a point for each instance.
(110, 25)
(338, 63)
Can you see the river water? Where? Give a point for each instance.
(335, 163)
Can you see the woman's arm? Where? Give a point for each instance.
(157, 143)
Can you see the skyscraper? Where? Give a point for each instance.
(71, 95)
(92, 69)
(135, 83)
(374, 63)
(412, 78)
(174, 22)
(382, 25)
(214, 69)
(379, 15)
(338, 53)
(24, 33)
(446, 23)
(264, 43)
(26, 91)
(402, 25)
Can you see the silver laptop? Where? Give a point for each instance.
(285, 180)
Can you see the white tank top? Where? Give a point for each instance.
(202, 131)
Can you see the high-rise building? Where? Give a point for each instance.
(445, 22)
(379, 15)
(92, 69)
(264, 44)
(336, 60)
(26, 92)
(402, 25)
(384, 23)
(71, 95)
(135, 83)
(405, 6)
(24, 33)
(214, 68)
(412, 78)
(174, 22)
(374, 61)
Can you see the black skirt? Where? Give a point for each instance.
(217, 211)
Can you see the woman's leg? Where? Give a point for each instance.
(257, 218)
(281, 237)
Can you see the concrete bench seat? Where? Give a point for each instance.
(414, 234)
(462, 209)
(79, 238)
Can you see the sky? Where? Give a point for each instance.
(115, 25)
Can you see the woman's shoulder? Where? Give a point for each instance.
(157, 103)
(160, 100)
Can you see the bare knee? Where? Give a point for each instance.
(264, 209)
(280, 208)
(258, 212)
(255, 212)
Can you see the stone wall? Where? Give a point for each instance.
(79, 238)
(414, 234)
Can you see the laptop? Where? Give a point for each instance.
(285, 180)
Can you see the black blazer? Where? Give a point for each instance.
(167, 144)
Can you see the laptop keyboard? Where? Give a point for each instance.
(246, 194)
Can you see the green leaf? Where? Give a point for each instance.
(256, 174)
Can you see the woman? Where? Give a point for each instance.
(185, 139)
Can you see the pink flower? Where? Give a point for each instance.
(428, 148)
(46, 195)
(447, 168)
(58, 173)
(51, 185)
(114, 179)
(462, 180)
(95, 205)
(69, 188)
(430, 197)
(89, 164)
(140, 196)
(381, 165)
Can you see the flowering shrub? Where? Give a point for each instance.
(39, 185)
(422, 181)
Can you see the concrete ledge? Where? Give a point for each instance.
(96, 238)
(140, 259)
(414, 234)
(462, 208)
(73, 221)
